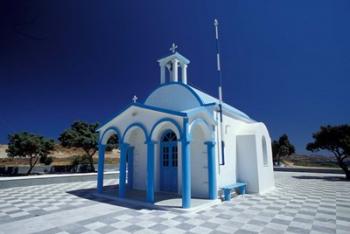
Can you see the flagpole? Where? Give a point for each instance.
(216, 25)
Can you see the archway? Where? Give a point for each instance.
(158, 129)
(200, 134)
(112, 156)
(168, 162)
(135, 138)
(108, 156)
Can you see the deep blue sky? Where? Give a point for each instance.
(286, 63)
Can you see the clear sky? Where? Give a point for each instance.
(285, 63)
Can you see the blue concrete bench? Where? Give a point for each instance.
(228, 189)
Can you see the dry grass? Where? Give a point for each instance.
(61, 156)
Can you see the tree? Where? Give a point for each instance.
(282, 148)
(82, 135)
(112, 143)
(335, 139)
(30, 146)
(275, 149)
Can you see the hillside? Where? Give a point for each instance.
(61, 152)
(309, 161)
(61, 156)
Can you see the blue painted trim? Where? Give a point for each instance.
(100, 170)
(158, 109)
(122, 170)
(150, 172)
(154, 108)
(186, 167)
(211, 170)
(140, 125)
(169, 182)
(130, 167)
(166, 120)
(116, 130)
(181, 84)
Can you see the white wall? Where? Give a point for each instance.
(137, 140)
(199, 164)
(266, 175)
(226, 174)
(244, 155)
(247, 168)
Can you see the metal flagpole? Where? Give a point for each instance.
(216, 24)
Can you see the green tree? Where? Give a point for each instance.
(30, 146)
(82, 135)
(335, 139)
(282, 148)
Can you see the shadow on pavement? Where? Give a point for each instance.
(90, 194)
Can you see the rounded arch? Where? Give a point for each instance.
(108, 133)
(204, 126)
(165, 123)
(135, 125)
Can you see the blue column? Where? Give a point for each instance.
(130, 167)
(211, 170)
(186, 167)
(122, 169)
(150, 171)
(100, 170)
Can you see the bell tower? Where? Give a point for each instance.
(170, 65)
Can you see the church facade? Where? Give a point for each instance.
(176, 142)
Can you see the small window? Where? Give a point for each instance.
(174, 158)
(264, 151)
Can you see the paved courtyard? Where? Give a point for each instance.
(301, 203)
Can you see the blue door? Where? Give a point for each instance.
(168, 162)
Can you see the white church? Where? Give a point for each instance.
(175, 142)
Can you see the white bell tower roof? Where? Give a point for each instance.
(172, 63)
(177, 56)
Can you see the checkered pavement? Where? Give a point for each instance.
(301, 203)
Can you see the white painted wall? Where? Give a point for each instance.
(244, 155)
(247, 168)
(265, 171)
(227, 174)
(199, 164)
(137, 140)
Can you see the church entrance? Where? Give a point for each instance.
(168, 162)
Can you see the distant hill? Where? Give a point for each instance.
(61, 152)
(310, 160)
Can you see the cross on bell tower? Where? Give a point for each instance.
(173, 48)
(172, 64)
